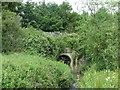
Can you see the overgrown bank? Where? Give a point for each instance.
(31, 71)
(99, 79)
(95, 40)
(94, 36)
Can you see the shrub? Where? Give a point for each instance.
(48, 45)
(102, 79)
(11, 33)
(37, 42)
(99, 38)
(31, 71)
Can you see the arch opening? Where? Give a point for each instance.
(65, 59)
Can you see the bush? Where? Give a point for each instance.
(102, 79)
(99, 38)
(30, 71)
(11, 33)
(39, 42)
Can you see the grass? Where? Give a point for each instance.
(31, 71)
(101, 79)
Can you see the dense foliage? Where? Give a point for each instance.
(102, 79)
(31, 71)
(99, 42)
(48, 45)
(25, 29)
(11, 31)
(12, 6)
(49, 17)
(99, 36)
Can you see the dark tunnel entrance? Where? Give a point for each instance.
(65, 59)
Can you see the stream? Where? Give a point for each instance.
(74, 86)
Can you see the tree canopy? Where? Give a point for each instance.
(49, 17)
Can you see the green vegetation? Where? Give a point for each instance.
(11, 32)
(38, 42)
(102, 79)
(30, 71)
(99, 38)
(55, 17)
(25, 31)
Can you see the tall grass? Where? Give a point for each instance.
(101, 79)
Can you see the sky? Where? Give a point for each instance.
(77, 5)
(71, 2)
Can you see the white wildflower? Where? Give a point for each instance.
(107, 78)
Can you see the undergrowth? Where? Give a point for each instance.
(32, 71)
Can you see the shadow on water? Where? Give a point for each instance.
(76, 75)
(73, 86)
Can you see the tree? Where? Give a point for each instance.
(10, 31)
(49, 17)
(99, 38)
(12, 6)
